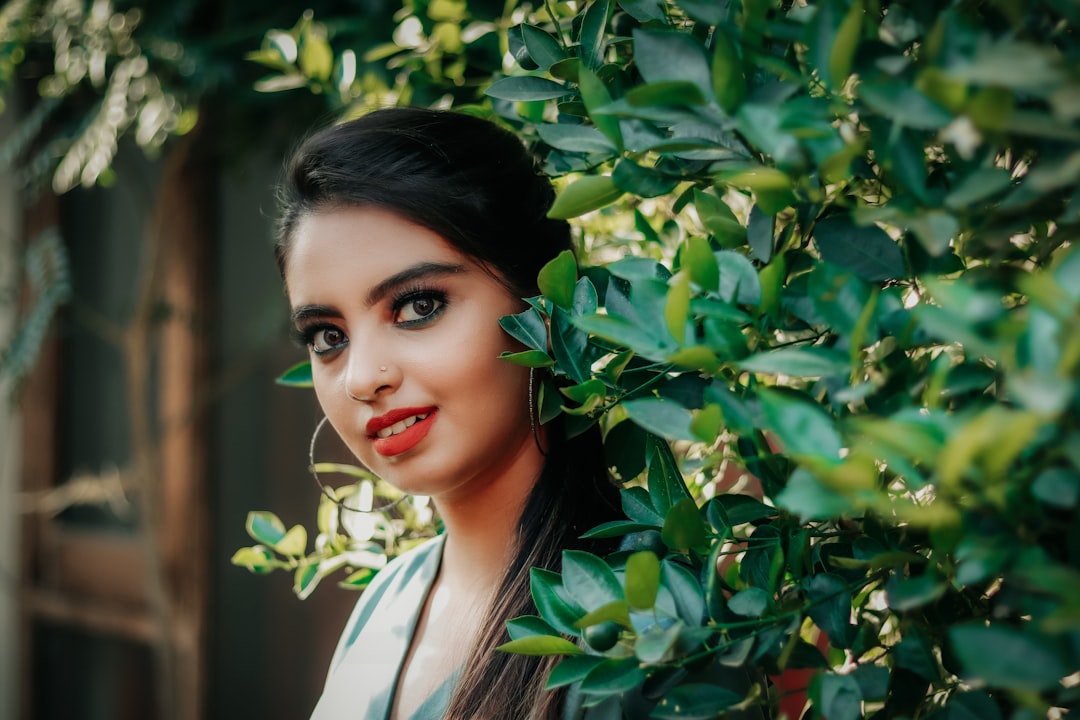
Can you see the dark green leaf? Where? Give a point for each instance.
(298, 375)
(663, 55)
(1007, 657)
(595, 95)
(661, 417)
(915, 653)
(638, 507)
(972, 705)
(803, 362)
(694, 701)
(552, 601)
(739, 281)
(729, 81)
(666, 484)
(544, 49)
(904, 104)
(759, 234)
(529, 358)
(873, 681)
(589, 580)
(1059, 487)
(644, 182)
(751, 602)
(841, 698)
(571, 670)
(527, 626)
(575, 138)
(909, 593)
(616, 528)
(593, 24)
(525, 88)
(569, 345)
(802, 426)
(867, 251)
(667, 93)
(528, 328)
(613, 676)
(686, 590)
(830, 606)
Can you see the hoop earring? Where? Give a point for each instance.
(328, 492)
(534, 415)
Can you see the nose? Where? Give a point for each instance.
(369, 375)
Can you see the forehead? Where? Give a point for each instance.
(373, 235)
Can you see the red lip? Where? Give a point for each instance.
(405, 440)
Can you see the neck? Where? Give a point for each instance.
(482, 525)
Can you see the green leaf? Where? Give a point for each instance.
(557, 279)
(718, 219)
(1007, 657)
(751, 602)
(541, 645)
(617, 611)
(316, 57)
(265, 527)
(903, 104)
(584, 195)
(841, 698)
(739, 281)
(916, 653)
(526, 88)
(684, 528)
(972, 705)
(305, 580)
(673, 93)
(728, 79)
(552, 601)
(830, 606)
(806, 497)
(595, 95)
(694, 701)
(570, 346)
(666, 484)
(665, 418)
(298, 375)
(575, 138)
(637, 506)
(644, 182)
(677, 306)
(527, 626)
(528, 358)
(589, 580)
(663, 55)
(544, 49)
(802, 426)
(613, 676)
(257, 559)
(804, 362)
(1058, 487)
(642, 579)
(913, 592)
(593, 23)
(685, 589)
(866, 251)
(572, 670)
(616, 528)
(294, 543)
(698, 259)
(844, 45)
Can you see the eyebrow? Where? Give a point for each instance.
(384, 288)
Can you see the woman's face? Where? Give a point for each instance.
(404, 340)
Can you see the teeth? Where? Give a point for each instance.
(401, 426)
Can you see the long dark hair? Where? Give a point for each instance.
(472, 183)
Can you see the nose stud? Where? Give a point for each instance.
(382, 368)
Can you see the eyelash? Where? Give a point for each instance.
(305, 336)
(413, 294)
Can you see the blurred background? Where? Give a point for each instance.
(142, 325)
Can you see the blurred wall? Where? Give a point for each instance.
(9, 445)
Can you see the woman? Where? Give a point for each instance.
(404, 237)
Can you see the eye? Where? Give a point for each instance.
(419, 308)
(324, 339)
